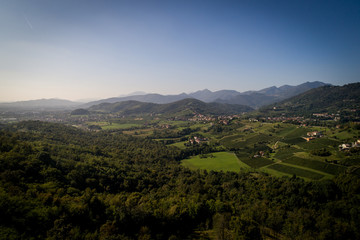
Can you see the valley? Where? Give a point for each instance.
(182, 170)
(179, 120)
(276, 148)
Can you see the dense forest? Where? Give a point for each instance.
(59, 182)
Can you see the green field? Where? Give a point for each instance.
(316, 165)
(293, 141)
(112, 126)
(220, 161)
(256, 162)
(139, 132)
(319, 143)
(297, 171)
(343, 135)
(179, 144)
(296, 132)
(238, 141)
(120, 126)
(285, 153)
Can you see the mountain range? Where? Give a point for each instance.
(40, 105)
(253, 99)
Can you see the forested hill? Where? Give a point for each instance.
(327, 99)
(59, 182)
(186, 106)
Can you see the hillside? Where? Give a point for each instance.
(327, 99)
(80, 111)
(254, 99)
(185, 106)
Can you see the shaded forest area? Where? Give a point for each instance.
(59, 182)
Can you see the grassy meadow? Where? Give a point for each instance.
(218, 161)
(114, 125)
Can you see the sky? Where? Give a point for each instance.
(85, 49)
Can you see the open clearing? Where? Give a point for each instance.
(112, 126)
(256, 162)
(180, 145)
(219, 161)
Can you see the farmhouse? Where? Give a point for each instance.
(224, 122)
(356, 144)
(348, 146)
(344, 146)
(197, 140)
(314, 134)
(260, 154)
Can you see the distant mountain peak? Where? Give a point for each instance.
(137, 93)
(206, 90)
(201, 91)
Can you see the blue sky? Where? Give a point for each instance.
(95, 49)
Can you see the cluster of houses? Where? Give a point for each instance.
(224, 122)
(312, 135)
(197, 140)
(200, 117)
(348, 146)
(224, 118)
(299, 119)
(260, 154)
(282, 119)
(335, 117)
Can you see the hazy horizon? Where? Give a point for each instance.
(98, 49)
(85, 100)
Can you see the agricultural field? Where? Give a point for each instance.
(257, 162)
(218, 161)
(279, 149)
(180, 145)
(283, 149)
(146, 132)
(316, 165)
(114, 125)
(296, 171)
